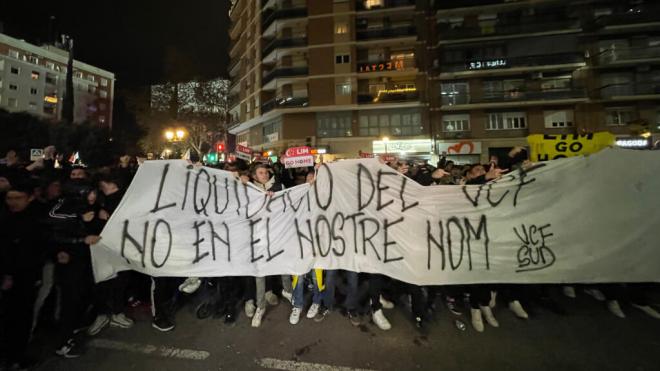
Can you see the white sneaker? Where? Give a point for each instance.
(294, 317)
(380, 320)
(99, 323)
(250, 308)
(648, 310)
(190, 285)
(615, 308)
(490, 318)
(313, 310)
(385, 303)
(288, 296)
(258, 314)
(595, 293)
(271, 298)
(569, 291)
(120, 320)
(493, 299)
(477, 321)
(518, 309)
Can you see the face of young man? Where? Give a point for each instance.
(17, 201)
(108, 188)
(261, 175)
(78, 174)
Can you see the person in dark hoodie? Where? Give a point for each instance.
(71, 243)
(23, 241)
(109, 296)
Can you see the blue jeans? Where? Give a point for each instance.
(326, 296)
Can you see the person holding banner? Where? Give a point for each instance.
(261, 177)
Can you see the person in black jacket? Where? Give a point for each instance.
(109, 296)
(23, 241)
(71, 243)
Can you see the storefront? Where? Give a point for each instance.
(412, 149)
(460, 152)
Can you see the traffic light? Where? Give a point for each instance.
(212, 158)
(220, 147)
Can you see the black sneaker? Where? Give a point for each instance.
(68, 350)
(322, 313)
(354, 318)
(230, 316)
(162, 324)
(451, 305)
(419, 323)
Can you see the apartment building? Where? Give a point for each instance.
(331, 74)
(416, 77)
(503, 70)
(33, 80)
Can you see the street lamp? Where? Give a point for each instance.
(169, 135)
(180, 134)
(385, 141)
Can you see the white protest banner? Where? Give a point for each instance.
(580, 219)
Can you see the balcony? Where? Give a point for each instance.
(289, 102)
(402, 64)
(622, 55)
(613, 91)
(450, 4)
(514, 62)
(522, 95)
(270, 16)
(640, 14)
(283, 43)
(284, 72)
(361, 5)
(524, 26)
(389, 96)
(386, 33)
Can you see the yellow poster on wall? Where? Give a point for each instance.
(550, 147)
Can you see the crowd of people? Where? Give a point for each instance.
(53, 213)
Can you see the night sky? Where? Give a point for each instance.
(141, 41)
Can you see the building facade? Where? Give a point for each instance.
(33, 80)
(416, 77)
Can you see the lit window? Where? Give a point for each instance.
(35, 75)
(343, 88)
(620, 116)
(50, 65)
(368, 4)
(506, 121)
(103, 93)
(453, 123)
(341, 28)
(104, 82)
(102, 119)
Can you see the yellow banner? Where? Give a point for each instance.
(550, 147)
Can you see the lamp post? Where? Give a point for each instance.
(174, 136)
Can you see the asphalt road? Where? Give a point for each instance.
(587, 338)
